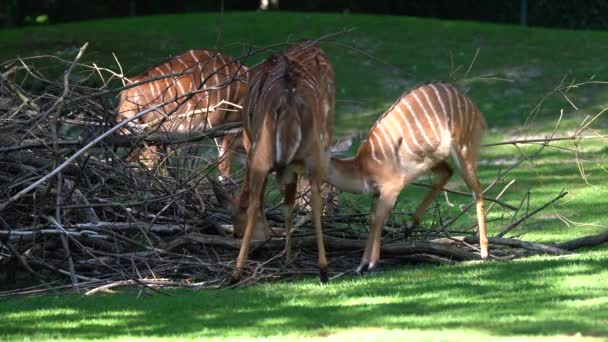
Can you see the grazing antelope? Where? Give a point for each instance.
(288, 119)
(415, 135)
(200, 80)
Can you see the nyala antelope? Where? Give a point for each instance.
(416, 134)
(196, 81)
(288, 119)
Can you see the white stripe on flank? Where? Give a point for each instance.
(407, 123)
(384, 139)
(469, 116)
(215, 83)
(418, 125)
(461, 122)
(392, 139)
(443, 110)
(157, 93)
(238, 88)
(441, 123)
(192, 82)
(179, 85)
(397, 124)
(428, 117)
(230, 77)
(152, 93)
(371, 144)
(451, 102)
(194, 56)
(224, 65)
(225, 75)
(167, 90)
(179, 59)
(474, 117)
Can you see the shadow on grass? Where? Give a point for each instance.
(533, 297)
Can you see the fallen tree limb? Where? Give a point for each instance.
(331, 243)
(532, 246)
(146, 282)
(160, 138)
(586, 241)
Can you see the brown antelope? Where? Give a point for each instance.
(288, 119)
(415, 135)
(197, 81)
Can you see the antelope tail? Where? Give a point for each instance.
(287, 138)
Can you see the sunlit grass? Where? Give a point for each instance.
(550, 297)
(539, 298)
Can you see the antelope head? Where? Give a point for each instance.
(238, 214)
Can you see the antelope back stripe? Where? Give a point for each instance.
(425, 117)
(421, 121)
(422, 118)
(197, 79)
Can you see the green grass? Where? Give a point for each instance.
(535, 298)
(551, 298)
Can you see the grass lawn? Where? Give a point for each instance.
(514, 70)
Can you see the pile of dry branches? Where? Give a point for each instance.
(75, 216)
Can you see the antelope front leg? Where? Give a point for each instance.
(383, 209)
(316, 214)
(224, 155)
(364, 264)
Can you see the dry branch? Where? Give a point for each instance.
(587, 241)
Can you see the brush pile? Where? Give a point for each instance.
(75, 216)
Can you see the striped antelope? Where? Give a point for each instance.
(415, 135)
(201, 80)
(288, 119)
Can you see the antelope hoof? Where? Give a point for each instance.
(485, 256)
(362, 268)
(323, 278)
(372, 268)
(224, 180)
(235, 278)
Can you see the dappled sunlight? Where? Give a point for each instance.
(497, 298)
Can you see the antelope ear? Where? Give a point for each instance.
(342, 145)
(226, 200)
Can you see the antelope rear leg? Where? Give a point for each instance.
(257, 180)
(469, 174)
(290, 201)
(443, 173)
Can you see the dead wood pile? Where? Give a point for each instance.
(75, 216)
